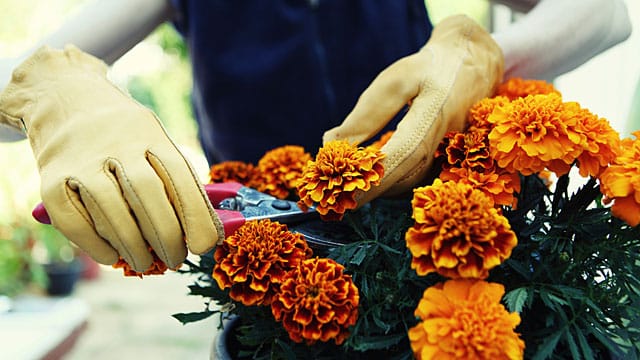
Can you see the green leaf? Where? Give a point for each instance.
(573, 347)
(584, 344)
(186, 318)
(378, 342)
(359, 255)
(206, 291)
(286, 349)
(516, 298)
(546, 348)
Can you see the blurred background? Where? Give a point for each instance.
(130, 317)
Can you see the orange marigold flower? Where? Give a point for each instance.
(466, 150)
(254, 260)
(280, 169)
(534, 133)
(481, 110)
(601, 143)
(237, 171)
(157, 267)
(620, 182)
(500, 186)
(339, 170)
(464, 319)
(517, 88)
(457, 232)
(317, 301)
(384, 138)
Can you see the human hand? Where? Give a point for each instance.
(111, 179)
(459, 65)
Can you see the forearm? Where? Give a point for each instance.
(107, 29)
(557, 36)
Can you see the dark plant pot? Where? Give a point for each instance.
(221, 350)
(63, 277)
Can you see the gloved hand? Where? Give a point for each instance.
(459, 65)
(111, 179)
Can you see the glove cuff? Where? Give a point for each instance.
(35, 76)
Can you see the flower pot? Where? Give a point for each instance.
(221, 348)
(63, 277)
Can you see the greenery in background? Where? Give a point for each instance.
(167, 91)
(18, 268)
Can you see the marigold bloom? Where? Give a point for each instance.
(157, 267)
(339, 170)
(517, 88)
(237, 171)
(384, 138)
(481, 110)
(534, 133)
(280, 169)
(466, 150)
(317, 301)
(457, 232)
(463, 319)
(601, 143)
(253, 261)
(467, 158)
(498, 185)
(620, 182)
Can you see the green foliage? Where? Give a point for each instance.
(18, 269)
(573, 276)
(380, 267)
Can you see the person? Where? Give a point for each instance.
(266, 73)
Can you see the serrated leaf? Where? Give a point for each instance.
(378, 342)
(584, 344)
(359, 255)
(573, 347)
(546, 348)
(515, 299)
(186, 318)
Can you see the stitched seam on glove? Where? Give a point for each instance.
(89, 197)
(113, 175)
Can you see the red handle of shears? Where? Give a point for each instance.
(230, 219)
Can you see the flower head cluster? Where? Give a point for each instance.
(280, 169)
(254, 260)
(157, 267)
(457, 232)
(463, 319)
(237, 171)
(382, 141)
(541, 131)
(518, 88)
(317, 301)
(339, 170)
(466, 158)
(620, 182)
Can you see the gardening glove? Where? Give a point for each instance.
(111, 179)
(459, 65)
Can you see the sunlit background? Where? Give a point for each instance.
(156, 72)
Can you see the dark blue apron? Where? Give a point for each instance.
(269, 73)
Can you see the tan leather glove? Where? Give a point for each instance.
(111, 179)
(459, 65)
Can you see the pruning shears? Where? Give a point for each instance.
(236, 204)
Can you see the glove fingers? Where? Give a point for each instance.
(200, 224)
(389, 92)
(112, 219)
(68, 214)
(146, 196)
